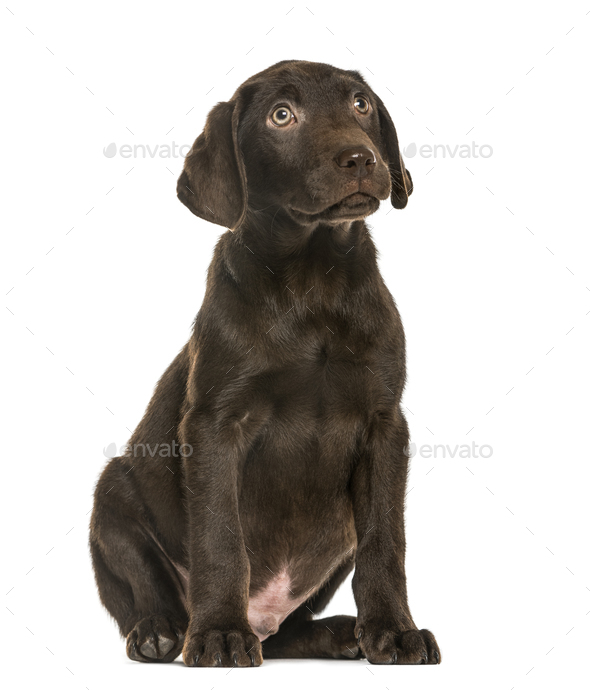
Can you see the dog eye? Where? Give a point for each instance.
(361, 105)
(282, 116)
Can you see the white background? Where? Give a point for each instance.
(103, 271)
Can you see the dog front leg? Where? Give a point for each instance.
(385, 629)
(219, 633)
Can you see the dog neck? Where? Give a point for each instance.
(275, 236)
(328, 265)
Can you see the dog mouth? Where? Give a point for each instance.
(355, 200)
(352, 207)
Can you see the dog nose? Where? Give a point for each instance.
(359, 160)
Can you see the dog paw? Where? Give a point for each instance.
(222, 648)
(154, 639)
(384, 645)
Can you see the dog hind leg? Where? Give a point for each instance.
(137, 583)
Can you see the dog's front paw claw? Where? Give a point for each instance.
(222, 648)
(381, 644)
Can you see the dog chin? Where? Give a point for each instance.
(352, 207)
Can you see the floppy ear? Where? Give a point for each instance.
(213, 182)
(401, 180)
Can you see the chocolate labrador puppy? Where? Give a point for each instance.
(270, 461)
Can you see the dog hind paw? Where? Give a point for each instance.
(154, 639)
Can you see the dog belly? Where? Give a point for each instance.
(269, 608)
(291, 559)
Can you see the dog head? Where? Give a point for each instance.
(305, 137)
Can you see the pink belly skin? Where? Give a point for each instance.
(269, 608)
